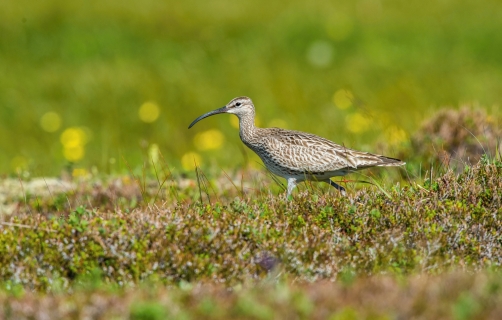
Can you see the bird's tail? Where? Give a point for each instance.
(389, 162)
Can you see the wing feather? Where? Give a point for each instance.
(307, 152)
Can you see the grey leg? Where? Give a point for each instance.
(291, 186)
(339, 188)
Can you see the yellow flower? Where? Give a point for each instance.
(343, 99)
(50, 121)
(74, 154)
(127, 180)
(79, 172)
(73, 140)
(190, 160)
(149, 112)
(395, 135)
(73, 137)
(357, 123)
(209, 140)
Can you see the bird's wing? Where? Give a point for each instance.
(307, 152)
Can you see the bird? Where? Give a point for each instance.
(295, 155)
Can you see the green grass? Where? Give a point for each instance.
(95, 63)
(430, 249)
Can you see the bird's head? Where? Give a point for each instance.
(240, 106)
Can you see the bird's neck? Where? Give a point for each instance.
(246, 127)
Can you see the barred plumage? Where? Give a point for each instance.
(295, 155)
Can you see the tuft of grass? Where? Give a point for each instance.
(456, 138)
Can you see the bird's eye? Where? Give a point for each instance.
(238, 104)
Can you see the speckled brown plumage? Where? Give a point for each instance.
(295, 155)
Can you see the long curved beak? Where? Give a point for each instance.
(210, 113)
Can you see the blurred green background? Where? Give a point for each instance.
(105, 83)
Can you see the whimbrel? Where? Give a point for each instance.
(298, 156)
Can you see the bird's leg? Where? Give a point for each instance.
(291, 186)
(339, 188)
